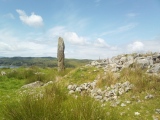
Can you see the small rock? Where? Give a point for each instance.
(133, 97)
(105, 99)
(98, 97)
(121, 91)
(78, 89)
(149, 96)
(99, 92)
(118, 102)
(69, 87)
(157, 111)
(136, 113)
(71, 91)
(115, 97)
(113, 104)
(155, 117)
(3, 73)
(122, 113)
(74, 87)
(123, 105)
(48, 83)
(128, 102)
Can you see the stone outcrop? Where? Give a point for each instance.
(151, 62)
(60, 54)
(33, 85)
(36, 84)
(109, 94)
(3, 73)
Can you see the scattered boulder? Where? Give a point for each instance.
(155, 117)
(109, 94)
(142, 62)
(71, 91)
(149, 96)
(95, 63)
(136, 113)
(115, 64)
(33, 85)
(3, 73)
(48, 83)
(123, 105)
(157, 111)
(128, 102)
(154, 69)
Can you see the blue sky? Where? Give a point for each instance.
(90, 28)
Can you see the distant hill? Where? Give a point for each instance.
(40, 61)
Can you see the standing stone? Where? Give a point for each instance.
(60, 54)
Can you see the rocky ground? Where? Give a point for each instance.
(149, 61)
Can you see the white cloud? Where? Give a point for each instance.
(136, 46)
(152, 45)
(89, 52)
(121, 29)
(101, 43)
(144, 46)
(10, 46)
(80, 46)
(70, 37)
(4, 46)
(76, 46)
(73, 38)
(33, 20)
(9, 15)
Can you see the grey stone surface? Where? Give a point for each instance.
(154, 69)
(109, 94)
(60, 54)
(48, 83)
(157, 111)
(33, 85)
(149, 96)
(151, 62)
(123, 105)
(143, 62)
(3, 73)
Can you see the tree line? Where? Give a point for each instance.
(40, 62)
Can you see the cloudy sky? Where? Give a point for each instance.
(90, 28)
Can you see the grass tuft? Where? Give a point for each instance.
(56, 105)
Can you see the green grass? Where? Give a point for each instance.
(82, 74)
(8, 91)
(15, 78)
(56, 104)
(33, 74)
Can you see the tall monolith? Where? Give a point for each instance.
(60, 54)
